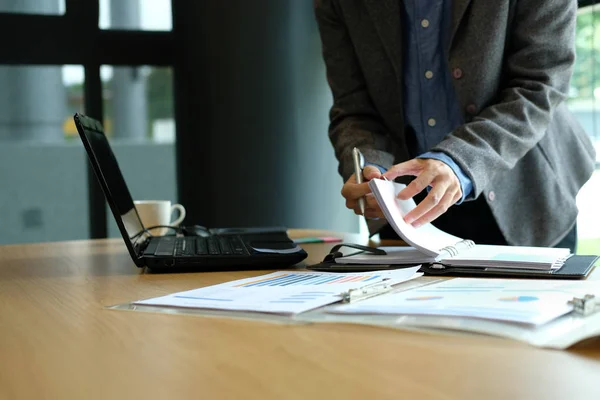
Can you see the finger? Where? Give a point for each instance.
(435, 212)
(369, 213)
(412, 167)
(433, 199)
(419, 184)
(371, 202)
(457, 197)
(370, 172)
(372, 214)
(352, 204)
(352, 190)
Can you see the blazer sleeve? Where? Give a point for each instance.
(354, 122)
(538, 65)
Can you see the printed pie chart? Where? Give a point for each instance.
(519, 299)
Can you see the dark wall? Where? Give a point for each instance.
(252, 104)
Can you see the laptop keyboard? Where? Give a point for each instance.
(200, 246)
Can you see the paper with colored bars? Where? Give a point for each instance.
(280, 292)
(531, 302)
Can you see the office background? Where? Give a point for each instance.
(221, 106)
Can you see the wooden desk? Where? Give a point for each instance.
(58, 342)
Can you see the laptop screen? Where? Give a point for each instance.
(111, 179)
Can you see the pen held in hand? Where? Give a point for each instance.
(359, 164)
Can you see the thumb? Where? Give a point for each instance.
(370, 172)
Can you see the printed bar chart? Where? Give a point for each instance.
(292, 279)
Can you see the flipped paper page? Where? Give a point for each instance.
(427, 238)
(284, 292)
(520, 301)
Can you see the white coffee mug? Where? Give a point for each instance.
(158, 213)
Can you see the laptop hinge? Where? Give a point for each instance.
(139, 248)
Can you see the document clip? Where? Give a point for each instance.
(365, 292)
(336, 253)
(585, 306)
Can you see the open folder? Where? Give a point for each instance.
(443, 253)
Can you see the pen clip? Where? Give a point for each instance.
(368, 291)
(359, 156)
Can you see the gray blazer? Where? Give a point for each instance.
(511, 63)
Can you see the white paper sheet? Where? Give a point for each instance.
(521, 256)
(284, 292)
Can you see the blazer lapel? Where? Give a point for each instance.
(459, 7)
(387, 20)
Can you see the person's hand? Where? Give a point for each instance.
(445, 188)
(353, 191)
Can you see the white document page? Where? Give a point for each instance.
(520, 301)
(427, 238)
(285, 292)
(521, 256)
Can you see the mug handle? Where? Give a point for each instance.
(181, 217)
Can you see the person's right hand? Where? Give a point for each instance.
(353, 191)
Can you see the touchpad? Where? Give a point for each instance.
(279, 247)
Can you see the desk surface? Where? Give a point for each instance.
(58, 342)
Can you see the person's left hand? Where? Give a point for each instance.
(352, 191)
(445, 188)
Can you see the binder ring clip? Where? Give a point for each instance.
(585, 306)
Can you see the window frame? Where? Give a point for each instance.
(76, 38)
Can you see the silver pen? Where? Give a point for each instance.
(359, 164)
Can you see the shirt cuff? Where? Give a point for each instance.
(466, 184)
(379, 167)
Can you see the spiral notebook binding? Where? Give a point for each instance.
(561, 261)
(453, 250)
(450, 250)
(468, 243)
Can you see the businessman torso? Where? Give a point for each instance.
(510, 63)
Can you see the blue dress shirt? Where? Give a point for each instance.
(430, 106)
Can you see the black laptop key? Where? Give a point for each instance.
(201, 246)
(190, 247)
(237, 246)
(165, 247)
(213, 246)
(184, 247)
(225, 245)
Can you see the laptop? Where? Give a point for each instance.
(186, 249)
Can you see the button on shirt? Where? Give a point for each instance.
(430, 106)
